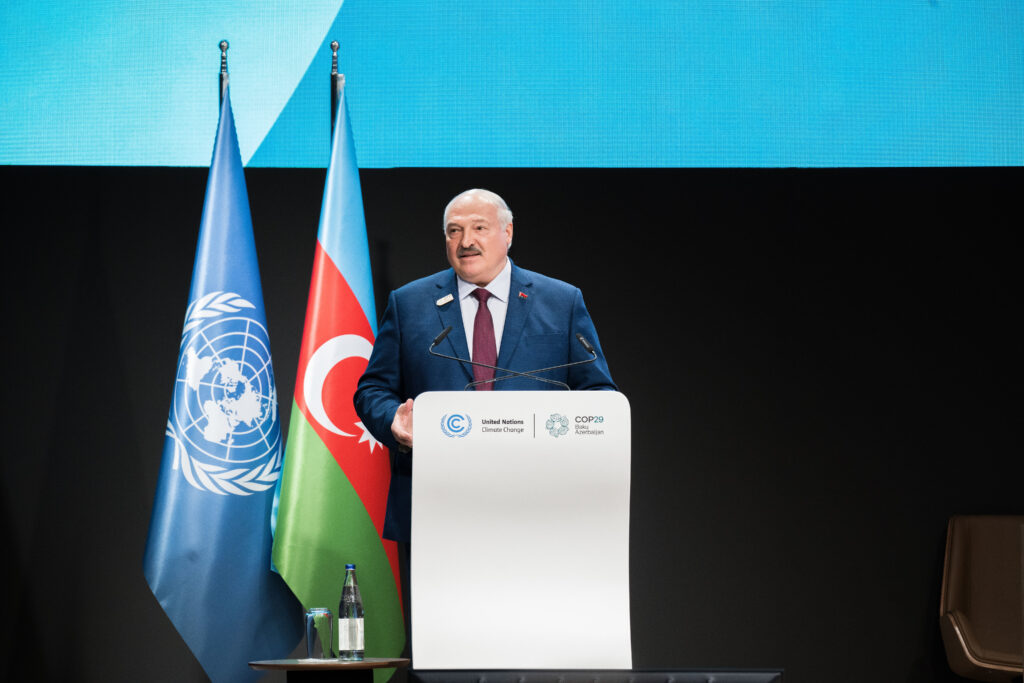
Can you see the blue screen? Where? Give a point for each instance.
(532, 83)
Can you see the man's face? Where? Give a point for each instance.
(475, 242)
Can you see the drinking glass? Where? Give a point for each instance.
(319, 633)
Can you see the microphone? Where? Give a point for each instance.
(587, 346)
(511, 373)
(440, 338)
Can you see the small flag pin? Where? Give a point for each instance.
(445, 299)
(522, 295)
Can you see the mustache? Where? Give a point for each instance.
(467, 251)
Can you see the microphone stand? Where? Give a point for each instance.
(532, 374)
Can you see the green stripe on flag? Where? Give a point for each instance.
(322, 525)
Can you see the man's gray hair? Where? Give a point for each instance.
(504, 213)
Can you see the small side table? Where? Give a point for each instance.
(330, 669)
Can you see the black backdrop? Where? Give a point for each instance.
(819, 363)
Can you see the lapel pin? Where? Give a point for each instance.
(445, 299)
(522, 295)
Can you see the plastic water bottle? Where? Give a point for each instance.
(351, 642)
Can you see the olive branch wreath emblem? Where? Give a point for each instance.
(239, 481)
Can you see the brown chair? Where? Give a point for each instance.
(981, 607)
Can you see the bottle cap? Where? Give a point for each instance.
(350, 566)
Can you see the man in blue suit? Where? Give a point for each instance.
(522, 321)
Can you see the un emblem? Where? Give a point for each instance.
(557, 425)
(456, 425)
(224, 419)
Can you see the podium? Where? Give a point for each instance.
(520, 530)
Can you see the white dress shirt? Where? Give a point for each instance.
(497, 304)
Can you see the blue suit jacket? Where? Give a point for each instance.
(544, 315)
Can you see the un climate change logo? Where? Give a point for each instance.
(557, 425)
(224, 419)
(456, 425)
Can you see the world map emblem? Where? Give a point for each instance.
(224, 420)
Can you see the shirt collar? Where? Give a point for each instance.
(498, 287)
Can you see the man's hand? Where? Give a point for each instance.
(401, 426)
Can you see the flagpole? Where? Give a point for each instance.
(223, 70)
(337, 83)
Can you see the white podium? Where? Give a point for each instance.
(520, 530)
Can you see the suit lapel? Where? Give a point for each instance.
(519, 304)
(450, 314)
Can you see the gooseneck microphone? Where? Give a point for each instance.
(587, 347)
(531, 374)
(439, 338)
(512, 373)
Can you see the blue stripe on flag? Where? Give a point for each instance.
(342, 210)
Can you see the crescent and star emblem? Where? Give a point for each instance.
(323, 360)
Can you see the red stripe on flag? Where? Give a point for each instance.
(333, 311)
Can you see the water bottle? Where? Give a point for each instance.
(351, 642)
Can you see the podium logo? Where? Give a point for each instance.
(456, 425)
(557, 425)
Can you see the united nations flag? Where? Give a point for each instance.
(208, 552)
